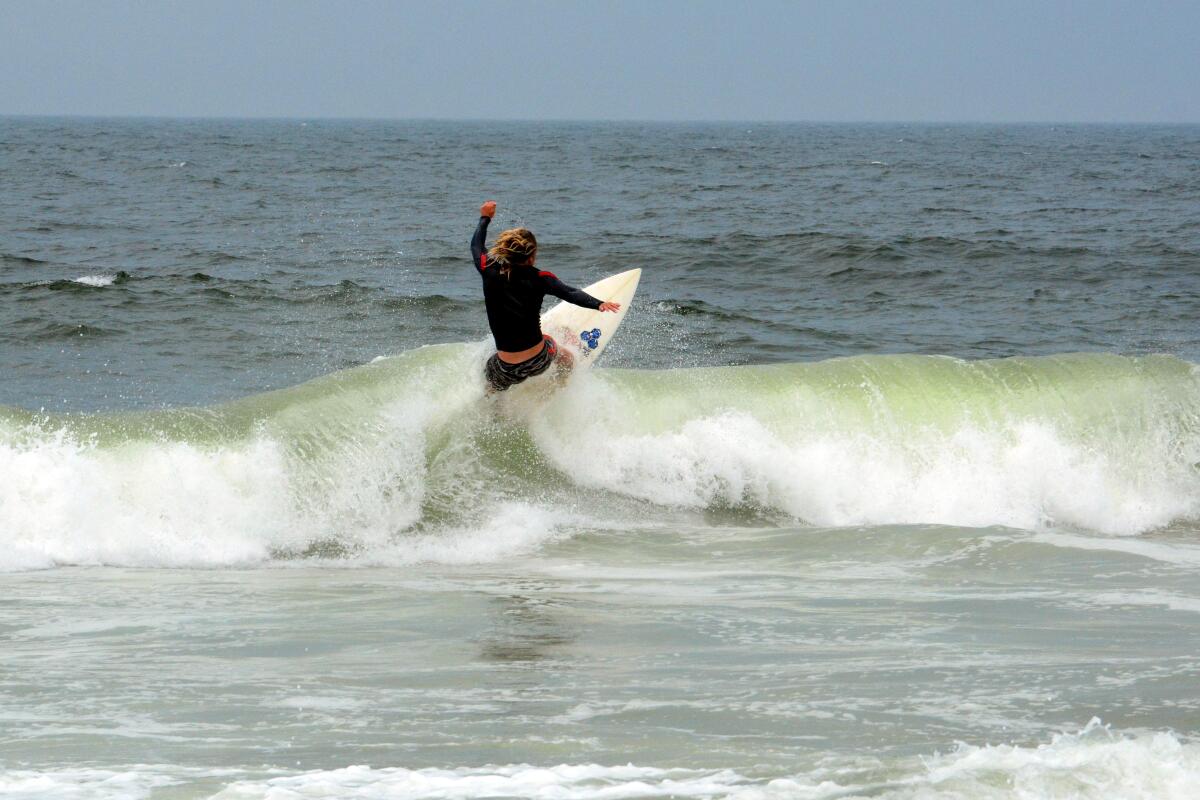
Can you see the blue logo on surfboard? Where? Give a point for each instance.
(591, 339)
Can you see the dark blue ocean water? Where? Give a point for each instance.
(252, 255)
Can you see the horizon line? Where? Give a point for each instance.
(629, 120)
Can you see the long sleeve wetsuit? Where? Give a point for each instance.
(514, 301)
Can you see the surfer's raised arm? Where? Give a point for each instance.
(486, 212)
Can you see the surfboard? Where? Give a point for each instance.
(587, 332)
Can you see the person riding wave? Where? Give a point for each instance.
(513, 290)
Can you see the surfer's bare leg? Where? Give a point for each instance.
(564, 362)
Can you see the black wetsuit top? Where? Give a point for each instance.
(514, 301)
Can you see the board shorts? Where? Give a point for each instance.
(501, 375)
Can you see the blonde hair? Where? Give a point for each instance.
(514, 247)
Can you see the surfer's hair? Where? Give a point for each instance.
(514, 247)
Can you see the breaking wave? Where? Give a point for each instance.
(405, 459)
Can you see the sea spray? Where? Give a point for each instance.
(1091, 441)
(338, 460)
(394, 454)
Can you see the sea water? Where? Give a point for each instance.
(889, 486)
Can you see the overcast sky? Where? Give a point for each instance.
(854, 60)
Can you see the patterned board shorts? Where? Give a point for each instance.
(501, 374)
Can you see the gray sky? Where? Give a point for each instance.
(935, 60)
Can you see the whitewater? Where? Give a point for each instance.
(377, 463)
(892, 494)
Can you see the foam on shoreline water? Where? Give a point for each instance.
(1093, 764)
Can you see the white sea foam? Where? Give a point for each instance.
(1164, 552)
(145, 504)
(96, 280)
(563, 782)
(1025, 474)
(1093, 764)
(1153, 599)
(402, 461)
(81, 784)
(505, 530)
(163, 503)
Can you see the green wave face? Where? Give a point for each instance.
(406, 459)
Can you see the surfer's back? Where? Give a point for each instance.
(513, 292)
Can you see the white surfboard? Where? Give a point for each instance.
(587, 332)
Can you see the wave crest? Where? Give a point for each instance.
(404, 459)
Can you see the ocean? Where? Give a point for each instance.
(889, 486)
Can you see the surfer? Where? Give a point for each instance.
(513, 290)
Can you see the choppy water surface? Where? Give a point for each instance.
(888, 488)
